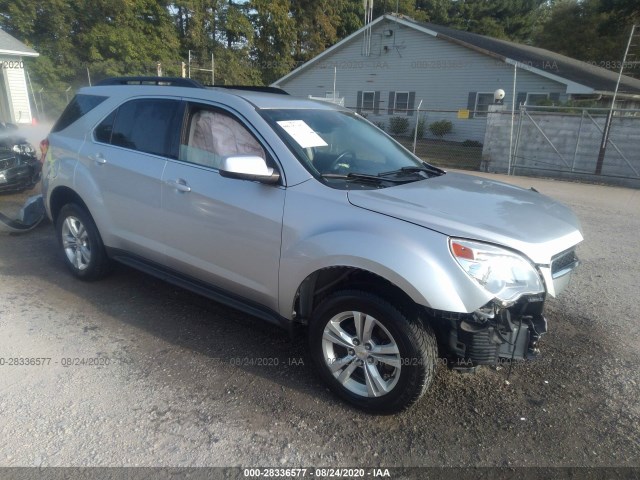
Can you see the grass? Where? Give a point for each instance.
(446, 154)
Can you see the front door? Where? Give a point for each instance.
(223, 231)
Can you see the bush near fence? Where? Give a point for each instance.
(441, 137)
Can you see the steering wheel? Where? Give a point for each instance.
(335, 165)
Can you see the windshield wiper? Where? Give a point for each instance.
(362, 177)
(426, 168)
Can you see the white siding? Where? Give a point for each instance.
(441, 73)
(17, 93)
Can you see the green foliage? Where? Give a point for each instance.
(398, 125)
(594, 31)
(259, 41)
(441, 128)
(410, 8)
(380, 125)
(274, 39)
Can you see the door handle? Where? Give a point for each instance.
(179, 184)
(98, 158)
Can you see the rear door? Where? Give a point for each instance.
(223, 231)
(126, 157)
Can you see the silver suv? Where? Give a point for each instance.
(305, 214)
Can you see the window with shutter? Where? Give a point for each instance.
(368, 101)
(401, 104)
(483, 100)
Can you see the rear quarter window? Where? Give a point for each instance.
(79, 106)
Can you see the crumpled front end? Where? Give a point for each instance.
(492, 334)
(18, 171)
(507, 327)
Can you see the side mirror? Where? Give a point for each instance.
(248, 167)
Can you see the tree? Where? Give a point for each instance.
(575, 29)
(403, 7)
(275, 38)
(130, 38)
(316, 22)
(49, 28)
(622, 13)
(516, 20)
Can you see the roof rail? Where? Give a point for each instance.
(163, 81)
(251, 88)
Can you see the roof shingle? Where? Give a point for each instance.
(598, 78)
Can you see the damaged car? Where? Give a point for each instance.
(306, 215)
(20, 168)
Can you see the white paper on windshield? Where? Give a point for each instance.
(302, 133)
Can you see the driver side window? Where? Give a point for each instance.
(213, 135)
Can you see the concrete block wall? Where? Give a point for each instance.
(570, 149)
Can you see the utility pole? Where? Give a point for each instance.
(607, 122)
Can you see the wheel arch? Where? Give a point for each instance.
(324, 281)
(61, 196)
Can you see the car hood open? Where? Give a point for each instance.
(471, 207)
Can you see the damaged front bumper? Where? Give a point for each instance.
(18, 172)
(493, 334)
(502, 331)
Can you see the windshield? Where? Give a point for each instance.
(340, 146)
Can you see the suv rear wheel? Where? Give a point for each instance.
(82, 247)
(370, 353)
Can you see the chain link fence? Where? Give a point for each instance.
(47, 105)
(445, 138)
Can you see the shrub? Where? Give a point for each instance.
(398, 125)
(441, 128)
(471, 143)
(380, 125)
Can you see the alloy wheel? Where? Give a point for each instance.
(361, 354)
(76, 244)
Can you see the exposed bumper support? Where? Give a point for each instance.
(31, 214)
(492, 335)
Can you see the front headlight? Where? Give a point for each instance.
(24, 149)
(501, 272)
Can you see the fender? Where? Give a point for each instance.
(85, 186)
(414, 258)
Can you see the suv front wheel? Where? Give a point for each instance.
(82, 247)
(370, 353)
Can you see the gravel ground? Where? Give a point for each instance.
(180, 388)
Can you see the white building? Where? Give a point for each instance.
(14, 95)
(386, 68)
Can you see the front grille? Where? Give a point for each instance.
(563, 261)
(8, 163)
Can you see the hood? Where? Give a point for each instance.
(467, 206)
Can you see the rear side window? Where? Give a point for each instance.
(146, 125)
(79, 106)
(103, 131)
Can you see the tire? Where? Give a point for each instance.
(383, 366)
(80, 243)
